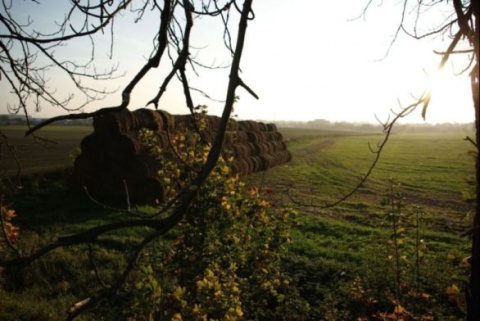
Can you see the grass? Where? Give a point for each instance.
(331, 247)
(432, 169)
(53, 148)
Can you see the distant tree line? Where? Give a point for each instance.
(368, 127)
(312, 124)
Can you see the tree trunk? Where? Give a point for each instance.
(473, 298)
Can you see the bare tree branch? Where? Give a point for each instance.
(174, 211)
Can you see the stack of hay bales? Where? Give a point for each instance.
(256, 147)
(114, 162)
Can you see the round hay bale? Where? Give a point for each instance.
(93, 144)
(114, 122)
(116, 170)
(89, 173)
(241, 137)
(271, 127)
(150, 192)
(284, 156)
(251, 164)
(183, 122)
(247, 149)
(163, 140)
(262, 136)
(208, 136)
(213, 122)
(288, 156)
(137, 168)
(282, 145)
(144, 165)
(256, 136)
(257, 164)
(147, 118)
(125, 145)
(133, 141)
(168, 120)
(229, 138)
(276, 146)
(238, 150)
(276, 136)
(232, 125)
(271, 136)
(261, 126)
(255, 126)
(255, 148)
(240, 166)
(84, 165)
(268, 161)
(246, 125)
(264, 148)
(278, 159)
(252, 136)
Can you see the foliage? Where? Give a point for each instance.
(224, 260)
(9, 232)
(402, 280)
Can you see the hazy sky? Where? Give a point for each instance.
(308, 60)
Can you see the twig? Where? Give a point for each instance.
(471, 141)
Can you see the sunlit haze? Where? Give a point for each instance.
(305, 61)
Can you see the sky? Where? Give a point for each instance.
(308, 60)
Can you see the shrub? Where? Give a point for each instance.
(224, 260)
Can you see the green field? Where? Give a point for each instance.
(332, 246)
(52, 148)
(432, 169)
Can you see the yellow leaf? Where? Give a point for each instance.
(453, 289)
(398, 309)
(177, 317)
(239, 311)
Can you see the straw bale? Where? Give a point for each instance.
(257, 163)
(183, 122)
(232, 125)
(261, 126)
(121, 148)
(114, 154)
(213, 122)
(168, 120)
(245, 150)
(256, 136)
(238, 150)
(285, 156)
(241, 137)
(93, 144)
(268, 161)
(275, 146)
(241, 166)
(149, 191)
(274, 136)
(245, 125)
(114, 122)
(149, 119)
(271, 127)
(85, 165)
(252, 136)
(229, 138)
